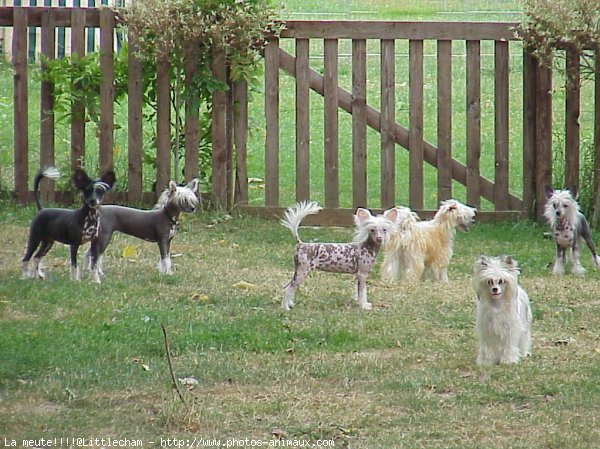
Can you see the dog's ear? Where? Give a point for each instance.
(193, 185)
(172, 186)
(574, 192)
(80, 179)
(507, 260)
(109, 178)
(362, 214)
(549, 191)
(391, 214)
(510, 263)
(482, 262)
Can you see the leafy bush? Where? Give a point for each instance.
(572, 24)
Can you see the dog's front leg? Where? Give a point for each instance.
(362, 292)
(92, 255)
(164, 247)
(74, 268)
(559, 260)
(576, 268)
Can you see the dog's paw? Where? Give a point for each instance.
(366, 306)
(578, 270)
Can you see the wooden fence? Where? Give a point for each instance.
(20, 19)
(537, 125)
(230, 115)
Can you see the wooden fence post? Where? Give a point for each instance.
(78, 17)
(134, 121)
(543, 138)
(192, 124)
(272, 123)
(46, 106)
(302, 120)
(219, 131)
(20, 97)
(444, 102)
(596, 213)
(415, 136)
(163, 121)
(530, 69)
(473, 122)
(572, 111)
(240, 136)
(107, 89)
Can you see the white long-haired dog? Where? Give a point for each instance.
(372, 231)
(421, 249)
(569, 228)
(503, 314)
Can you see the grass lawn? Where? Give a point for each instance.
(85, 360)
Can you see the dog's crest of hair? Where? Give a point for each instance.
(454, 213)
(183, 196)
(497, 268)
(560, 197)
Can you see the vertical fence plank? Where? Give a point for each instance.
(272, 123)
(330, 88)
(530, 67)
(543, 136)
(501, 124)
(415, 133)
(388, 121)
(302, 120)
(229, 136)
(47, 104)
(444, 131)
(192, 111)
(163, 122)
(77, 108)
(219, 131)
(596, 137)
(107, 90)
(134, 121)
(473, 122)
(572, 110)
(240, 136)
(359, 123)
(20, 97)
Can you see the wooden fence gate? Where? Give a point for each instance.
(535, 124)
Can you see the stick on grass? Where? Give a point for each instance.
(175, 386)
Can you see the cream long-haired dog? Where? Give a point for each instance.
(423, 249)
(503, 314)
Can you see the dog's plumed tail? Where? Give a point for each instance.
(295, 214)
(50, 173)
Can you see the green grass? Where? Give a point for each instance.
(86, 360)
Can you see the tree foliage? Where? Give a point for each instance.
(564, 24)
